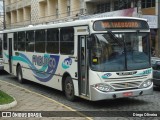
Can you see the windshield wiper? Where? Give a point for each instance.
(121, 43)
(116, 39)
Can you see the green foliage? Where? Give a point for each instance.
(4, 98)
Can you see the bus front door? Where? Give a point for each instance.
(83, 66)
(10, 52)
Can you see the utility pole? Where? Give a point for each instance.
(139, 11)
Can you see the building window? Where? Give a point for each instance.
(68, 10)
(57, 11)
(15, 41)
(67, 41)
(135, 3)
(40, 41)
(148, 3)
(103, 7)
(122, 4)
(52, 41)
(5, 41)
(21, 41)
(30, 43)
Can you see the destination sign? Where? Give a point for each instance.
(103, 25)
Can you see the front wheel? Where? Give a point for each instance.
(69, 89)
(19, 75)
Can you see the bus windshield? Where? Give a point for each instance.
(125, 51)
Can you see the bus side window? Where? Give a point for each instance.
(40, 41)
(5, 41)
(21, 41)
(30, 43)
(15, 41)
(67, 41)
(52, 41)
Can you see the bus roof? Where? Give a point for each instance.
(66, 24)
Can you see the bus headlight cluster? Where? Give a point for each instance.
(146, 83)
(103, 87)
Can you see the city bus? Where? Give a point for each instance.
(1, 58)
(94, 59)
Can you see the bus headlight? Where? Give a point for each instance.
(146, 83)
(103, 87)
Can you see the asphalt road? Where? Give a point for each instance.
(137, 104)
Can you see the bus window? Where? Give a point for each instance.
(21, 41)
(30, 43)
(5, 41)
(0, 48)
(40, 41)
(67, 41)
(15, 41)
(52, 41)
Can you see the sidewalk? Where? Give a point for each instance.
(31, 101)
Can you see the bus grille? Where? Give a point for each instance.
(126, 85)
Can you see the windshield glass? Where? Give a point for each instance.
(119, 51)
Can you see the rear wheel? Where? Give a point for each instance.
(20, 75)
(69, 89)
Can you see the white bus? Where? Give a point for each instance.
(1, 57)
(94, 59)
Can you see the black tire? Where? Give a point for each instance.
(69, 89)
(20, 75)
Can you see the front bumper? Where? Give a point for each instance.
(98, 95)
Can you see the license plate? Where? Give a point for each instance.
(127, 94)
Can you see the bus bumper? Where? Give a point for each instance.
(98, 95)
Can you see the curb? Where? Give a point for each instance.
(8, 106)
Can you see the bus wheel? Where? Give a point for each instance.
(69, 89)
(19, 74)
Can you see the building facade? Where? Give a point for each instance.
(25, 12)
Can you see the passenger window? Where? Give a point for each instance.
(15, 41)
(67, 41)
(1, 47)
(21, 41)
(5, 41)
(40, 41)
(52, 41)
(30, 43)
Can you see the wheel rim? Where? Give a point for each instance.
(69, 89)
(19, 76)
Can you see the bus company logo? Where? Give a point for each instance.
(47, 65)
(107, 75)
(67, 63)
(44, 61)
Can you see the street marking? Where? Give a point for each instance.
(71, 109)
